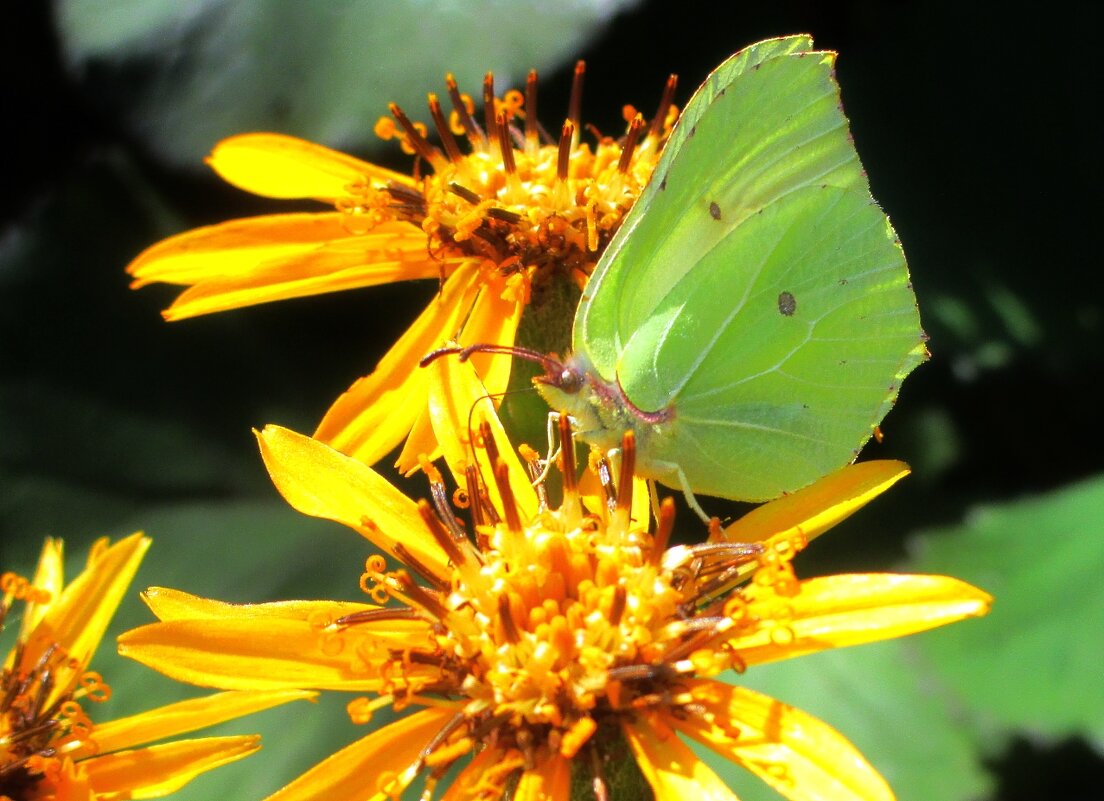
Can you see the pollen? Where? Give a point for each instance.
(515, 198)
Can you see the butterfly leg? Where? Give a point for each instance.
(673, 470)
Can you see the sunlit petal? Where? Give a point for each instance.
(261, 654)
(836, 611)
(797, 754)
(50, 577)
(187, 716)
(458, 404)
(371, 768)
(169, 604)
(821, 505)
(376, 412)
(78, 619)
(319, 481)
(281, 166)
(549, 780)
(161, 769)
(670, 767)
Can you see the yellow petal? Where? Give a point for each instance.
(235, 248)
(161, 769)
(77, 620)
(420, 442)
(187, 716)
(837, 611)
(372, 767)
(169, 604)
(266, 654)
(798, 755)
(319, 481)
(494, 320)
(670, 767)
(264, 259)
(821, 505)
(458, 403)
(550, 780)
(376, 412)
(49, 576)
(280, 166)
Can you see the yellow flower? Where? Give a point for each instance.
(497, 226)
(540, 634)
(49, 747)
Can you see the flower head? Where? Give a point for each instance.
(537, 636)
(499, 226)
(49, 746)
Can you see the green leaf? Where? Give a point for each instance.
(189, 74)
(1035, 662)
(876, 696)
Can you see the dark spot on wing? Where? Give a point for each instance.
(787, 304)
(714, 211)
(693, 130)
(663, 183)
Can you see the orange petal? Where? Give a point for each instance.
(281, 166)
(670, 767)
(319, 481)
(458, 400)
(842, 610)
(376, 412)
(550, 780)
(187, 716)
(265, 654)
(77, 620)
(161, 769)
(798, 755)
(821, 505)
(375, 767)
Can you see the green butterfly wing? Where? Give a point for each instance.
(756, 288)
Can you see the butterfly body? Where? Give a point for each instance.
(752, 319)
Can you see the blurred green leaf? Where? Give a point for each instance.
(189, 74)
(880, 698)
(1034, 664)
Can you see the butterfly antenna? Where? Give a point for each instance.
(552, 366)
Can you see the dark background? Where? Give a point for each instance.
(979, 127)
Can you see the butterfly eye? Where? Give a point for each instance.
(571, 380)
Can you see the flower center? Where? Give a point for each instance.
(552, 627)
(520, 200)
(40, 721)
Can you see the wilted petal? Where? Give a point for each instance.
(187, 716)
(371, 768)
(836, 611)
(376, 412)
(798, 755)
(161, 769)
(281, 166)
(321, 482)
(670, 767)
